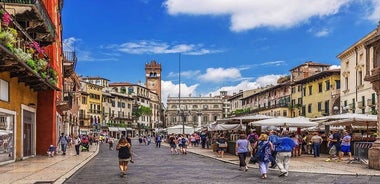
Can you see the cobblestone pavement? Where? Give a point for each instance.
(157, 165)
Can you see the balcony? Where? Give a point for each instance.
(23, 57)
(84, 117)
(33, 17)
(69, 63)
(371, 103)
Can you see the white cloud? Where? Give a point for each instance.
(374, 15)
(251, 14)
(170, 89)
(332, 67)
(220, 74)
(69, 44)
(319, 32)
(322, 33)
(247, 85)
(155, 47)
(185, 74)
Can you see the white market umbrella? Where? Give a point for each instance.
(243, 119)
(351, 116)
(300, 122)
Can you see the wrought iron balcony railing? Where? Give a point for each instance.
(69, 63)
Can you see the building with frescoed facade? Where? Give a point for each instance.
(318, 95)
(30, 77)
(270, 101)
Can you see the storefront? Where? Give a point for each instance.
(7, 136)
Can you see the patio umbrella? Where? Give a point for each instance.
(299, 122)
(351, 116)
(243, 119)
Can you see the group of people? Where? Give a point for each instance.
(265, 149)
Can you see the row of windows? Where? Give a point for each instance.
(215, 106)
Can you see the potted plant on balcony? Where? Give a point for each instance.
(8, 38)
(5, 18)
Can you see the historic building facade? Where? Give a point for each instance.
(194, 111)
(30, 77)
(318, 94)
(357, 95)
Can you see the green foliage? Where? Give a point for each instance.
(241, 111)
(142, 110)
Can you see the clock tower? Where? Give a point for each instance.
(153, 77)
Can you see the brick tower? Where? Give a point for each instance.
(153, 77)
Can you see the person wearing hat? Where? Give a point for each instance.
(316, 140)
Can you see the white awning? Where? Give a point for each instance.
(113, 129)
(128, 128)
(121, 129)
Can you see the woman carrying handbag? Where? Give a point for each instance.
(241, 150)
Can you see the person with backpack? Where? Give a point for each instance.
(158, 141)
(173, 146)
(124, 155)
(184, 142)
(252, 138)
(63, 141)
(264, 152)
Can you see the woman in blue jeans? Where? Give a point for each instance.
(241, 150)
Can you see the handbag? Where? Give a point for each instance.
(254, 158)
(332, 150)
(223, 145)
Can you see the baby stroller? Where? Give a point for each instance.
(85, 145)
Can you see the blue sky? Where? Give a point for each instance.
(227, 45)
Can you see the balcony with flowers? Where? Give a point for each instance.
(33, 16)
(23, 57)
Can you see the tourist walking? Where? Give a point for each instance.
(222, 145)
(316, 140)
(173, 146)
(334, 145)
(273, 137)
(184, 142)
(264, 151)
(77, 144)
(284, 147)
(63, 142)
(124, 155)
(110, 142)
(158, 141)
(345, 147)
(241, 150)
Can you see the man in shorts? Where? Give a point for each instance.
(345, 147)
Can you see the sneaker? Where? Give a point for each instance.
(283, 174)
(338, 160)
(328, 160)
(121, 174)
(246, 168)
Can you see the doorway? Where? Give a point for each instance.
(28, 132)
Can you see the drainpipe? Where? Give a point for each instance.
(356, 76)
